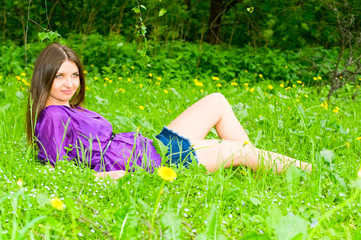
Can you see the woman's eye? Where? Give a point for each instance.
(58, 76)
(75, 75)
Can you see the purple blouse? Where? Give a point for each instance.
(83, 135)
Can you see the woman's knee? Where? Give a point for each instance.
(218, 100)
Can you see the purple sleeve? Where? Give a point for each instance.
(54, 133)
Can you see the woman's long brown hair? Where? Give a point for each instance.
(46, 67)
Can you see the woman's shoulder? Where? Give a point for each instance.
(57, 112)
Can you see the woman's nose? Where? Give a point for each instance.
(68, 82)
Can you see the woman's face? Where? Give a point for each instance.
(65, 84)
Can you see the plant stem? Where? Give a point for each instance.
(156, 206)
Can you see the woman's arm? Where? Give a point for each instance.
(113, 174)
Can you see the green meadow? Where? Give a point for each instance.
(276, 96)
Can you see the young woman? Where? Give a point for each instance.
(64, 130)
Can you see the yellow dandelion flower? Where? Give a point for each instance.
(319, 77)
(157, 83)
(246, 142)
(23, 74)
(199, 84)
(106, 79)
(141, 107)
(293, 85)
(95, 78)
(324, 105)
(359, 138)
(246, 84)
(245, 71)
(138, 129)
(20, 182)
(129, 80)
(166, 91)
(57, 203)
(297, 100)
(87, 88)
(201, 90)
(132, 67)
(92, 65)
(167, 173)
(251, 90)
(105, 84)
(306, 95)
(335, 110)
(286, 66)
(85, 72)
(315, 78)
(287, 88)
(348, 144)
(215, 78)
(150, 75)
(234, 84)
(1, 77)
(159, 78)
(141, 85)
(18, 78)
(299, 82)
(340, 77)
(120, 78)
(260, 75)
(219, 85)
(110, 81)
(282, 85)
(270, 87)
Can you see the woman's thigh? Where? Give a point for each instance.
(214, 154)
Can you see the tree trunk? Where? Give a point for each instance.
(215, 19)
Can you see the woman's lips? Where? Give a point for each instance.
(67, 91)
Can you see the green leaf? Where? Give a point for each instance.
(42, 36)
(290, 226)
(136, 9)
(328, 155)
(126, 220)
(212, 228)
(160, 147)
(255, 201)
(162, 12)
(256, 236)
(172, 223)
(19, 95)
(261, 94)
(42, 199)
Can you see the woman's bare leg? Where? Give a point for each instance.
(214, 154)
(215, 111)
(211, 111)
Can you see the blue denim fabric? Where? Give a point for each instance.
(179, 148)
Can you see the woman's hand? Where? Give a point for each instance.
(113, 174)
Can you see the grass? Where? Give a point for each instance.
(231, 203)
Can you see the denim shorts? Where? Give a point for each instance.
(180, 150)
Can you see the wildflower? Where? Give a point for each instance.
(260, 75)
(132, 67)
(246, 142)
(287, 88)
(92, 65)
(319, 77)
(85, 72)
(282, 85)
(110, 81)
(219, 85)
(157, 83)
(141, 85)
(324, 105)
(246, 84)
(359, 138)
(57, 203)
(270, 87)
(141, 107)
(306, 95)
(347, 144)
(105, 84)
(335, 110)
(87, 88)
(23, 74)
(129, 80)
(159, 78)
(286, 66)
(293, 85)
(106, 79)
(18, 78)
(315, 78)
(251, 90)
(299, 82)
(297, 100)
(167, 173)
(150, 75)
(340, 77)
(234, 84)
(197, 83)
(201, 90)
(245, 71)
(138, 129)
(120, 78)
(20, 182)
(121, 90)
(215, 78)
(166, 91)
(95, 78)
(1, 77)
